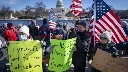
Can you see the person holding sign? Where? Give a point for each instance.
(24, 35)
(105, 44)
(58, 35)
(82, 47)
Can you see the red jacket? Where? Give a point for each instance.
(9, 35)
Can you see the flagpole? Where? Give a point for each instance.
(50, 30)
(94, 21)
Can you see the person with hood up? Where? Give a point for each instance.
(10, 33)
(105, 44)
(24, 34)
(82, 48)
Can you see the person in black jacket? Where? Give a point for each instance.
(33, 30)
(105, 44)
(82, 48)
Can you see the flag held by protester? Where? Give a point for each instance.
(106, 19)
(52, 21)
(76, 7)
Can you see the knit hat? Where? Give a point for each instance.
(25, 30)
(107, 34)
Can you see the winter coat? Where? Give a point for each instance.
(33, 31)
(72, 35)
(9, 35)
(82, 48)
(110, 48)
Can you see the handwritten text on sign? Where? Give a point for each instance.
(104, 62)
(25, 56)
(61, 56)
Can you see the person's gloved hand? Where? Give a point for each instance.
(114, 55)
(43, 43)
(50, 49)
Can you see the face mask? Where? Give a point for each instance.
(22, 37)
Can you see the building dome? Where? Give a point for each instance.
(59, 4)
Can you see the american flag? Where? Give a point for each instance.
(106, 19)
(76, 7)
(52, 21)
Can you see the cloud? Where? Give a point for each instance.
(12, 1)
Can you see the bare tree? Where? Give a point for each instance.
(5, 11)
(17, 14)
(29, 11)
(40, 9)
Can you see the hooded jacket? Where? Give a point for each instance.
(9, 35)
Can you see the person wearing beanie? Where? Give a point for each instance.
(58, 34)
(105, 44)
(24, 33)
(82, 48)
(10, 33)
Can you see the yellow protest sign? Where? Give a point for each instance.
(61, 56)
(25, 56)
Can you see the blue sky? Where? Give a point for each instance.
(20, 4)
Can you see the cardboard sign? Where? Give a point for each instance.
(25, 56)
(104, 62)
(61, 56)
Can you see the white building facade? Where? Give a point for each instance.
(60, 10)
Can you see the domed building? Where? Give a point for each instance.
(60, 11)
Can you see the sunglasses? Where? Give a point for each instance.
(103, 38)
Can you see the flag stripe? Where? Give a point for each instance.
(104, 25)
(118, 25)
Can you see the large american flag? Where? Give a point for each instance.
(76, 7)
(52, 21)
(106, 19)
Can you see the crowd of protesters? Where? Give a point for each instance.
(83, 50)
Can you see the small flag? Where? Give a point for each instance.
(76, 7)
(52, 21)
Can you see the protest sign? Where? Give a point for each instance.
(61, 56)
(104, 62)
(25, 56)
